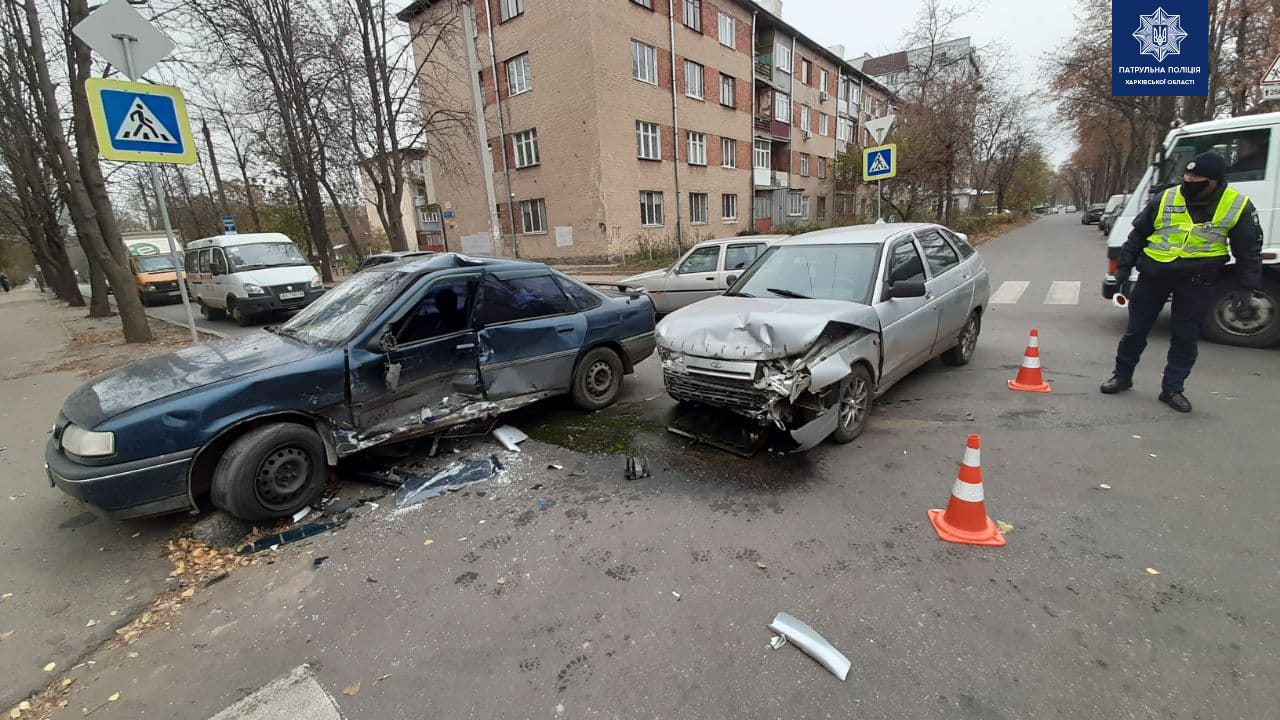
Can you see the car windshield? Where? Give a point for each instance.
(153, 263)
(260, 255)
(338, 313)
(828, 272)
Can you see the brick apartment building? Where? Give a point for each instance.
(605, 127)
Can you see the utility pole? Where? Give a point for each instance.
(213, 161)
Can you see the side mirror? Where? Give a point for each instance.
(385, 342)
(907, 289)
(964, 237)
(731, 280)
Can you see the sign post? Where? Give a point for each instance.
(137, 122)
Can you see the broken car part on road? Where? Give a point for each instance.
(813, 644)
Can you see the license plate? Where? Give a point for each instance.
(291, 295)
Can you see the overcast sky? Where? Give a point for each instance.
(1026, 28)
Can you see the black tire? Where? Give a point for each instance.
(1222, 326)
(270, 472)
(962, 353)
(242, 318)
(597, 379)
(857, 395)
(142, 298)
(210, 313)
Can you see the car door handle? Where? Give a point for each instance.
(565, 329)
(465, 346)
(710, 279)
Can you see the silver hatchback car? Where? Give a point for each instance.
(826, 322)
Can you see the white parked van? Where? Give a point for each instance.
(1251, 146)
(248, 276)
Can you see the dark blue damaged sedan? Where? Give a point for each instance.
(398, 351)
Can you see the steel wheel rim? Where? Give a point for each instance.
(1227, 319)
(853, 403)
(282, 476)
(599, 379)
(969, 338)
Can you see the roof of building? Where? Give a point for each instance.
(886, 64)
(414, 9)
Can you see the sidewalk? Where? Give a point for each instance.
(64, 566)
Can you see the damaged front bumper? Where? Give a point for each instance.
(800, 395)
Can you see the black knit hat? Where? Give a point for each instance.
(1209, 165)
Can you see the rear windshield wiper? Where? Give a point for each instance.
(788, 293)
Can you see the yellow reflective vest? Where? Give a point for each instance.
(1176, 235)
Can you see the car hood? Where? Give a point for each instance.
(643, 278)
(154, 378)
(299, 274)
(739, 328)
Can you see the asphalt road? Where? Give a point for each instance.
(552, 594)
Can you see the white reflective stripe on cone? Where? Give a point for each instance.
(1034, 342)
(971, 456)
(968, 492)
(1030, 362)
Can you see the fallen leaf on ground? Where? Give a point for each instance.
(135, 535)
(428, 542)
(15, 713)
(114, 697)
(1152, 571)
(189, 592)
(132, 654)
(351, 689)
(6, 635)
(761, 565)
(66, 682)
(1104, 486)
(24, 705)
(502, 581)
(1003, 526)
(50, 667)
(91, 623)
(6, 596)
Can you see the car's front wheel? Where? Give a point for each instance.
(856, 397)
(1262, 330)
(598, 379)
(242, 318)
(962, 353)
(270, 472)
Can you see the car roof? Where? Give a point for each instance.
(239, 239)
(742, 238)
(854, 234)
(401, 253)
(449, 260)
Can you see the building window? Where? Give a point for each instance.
(822, 168)
(533, 216)
(728, 30)
(782, 57)
(526, 146)
(728, 153)
(794, 201)
(824, 124)
(644, 62)
(782, 107)
(650, 208)
(806, 71)
(822, 208)
(692, 17)
(644, 3)
(510, 9)
(844, 130)
(823, 76)
(804, 164)
(648, 144)
(692, 79)
(698, 208)
(760, 155)
(729, 207)
(804, 118)
(697, 148)
(519, 75)
(804, 207)
(728, 92)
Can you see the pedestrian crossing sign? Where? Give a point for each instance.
(880, 162)
(140, 122)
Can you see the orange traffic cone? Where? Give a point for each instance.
(965, 520)
(1029, 377)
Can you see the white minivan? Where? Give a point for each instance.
(249, 276)
(1251, 146)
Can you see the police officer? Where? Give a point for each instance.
(1180, 244)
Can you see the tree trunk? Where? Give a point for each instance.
(99, 300)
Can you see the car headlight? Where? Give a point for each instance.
(150, 286)
(315, 283)
(87, 443)
(254, 289)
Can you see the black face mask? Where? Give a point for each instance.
(1195, 190)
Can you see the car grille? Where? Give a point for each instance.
(165, 286)
(721, 392)
(275, 291)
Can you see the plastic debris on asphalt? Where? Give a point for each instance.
(637, 468)
(288, 536)
(457, 475)
(813, 644)
(509, 437)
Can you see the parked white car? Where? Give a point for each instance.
(248, 276)
(706, 270)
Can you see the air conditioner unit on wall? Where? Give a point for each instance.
(823, 96)
(808, 135)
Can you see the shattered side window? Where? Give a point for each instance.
(522, 299)
(583, 296)
(334, 317)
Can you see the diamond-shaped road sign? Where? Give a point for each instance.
(106, 28)
(879, 127)
(140, 122)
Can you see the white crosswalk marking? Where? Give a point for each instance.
(1063, 292)
(1009, 292)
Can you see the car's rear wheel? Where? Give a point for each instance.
(270, 472)
(962, 353)
(598, 379)
(856, 398)
(210, 313)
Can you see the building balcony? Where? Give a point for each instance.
(764, 65)
(768, 178)
(767, 124)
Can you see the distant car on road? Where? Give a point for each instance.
(706, 270)
(1071, 208)
(1115, 206)
(383, 258)
(249, 276)
(824, 323)
(396, 352)
(1092, 214)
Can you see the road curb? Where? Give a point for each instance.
(184, 326)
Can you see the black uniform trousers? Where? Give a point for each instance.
(1191, 289)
